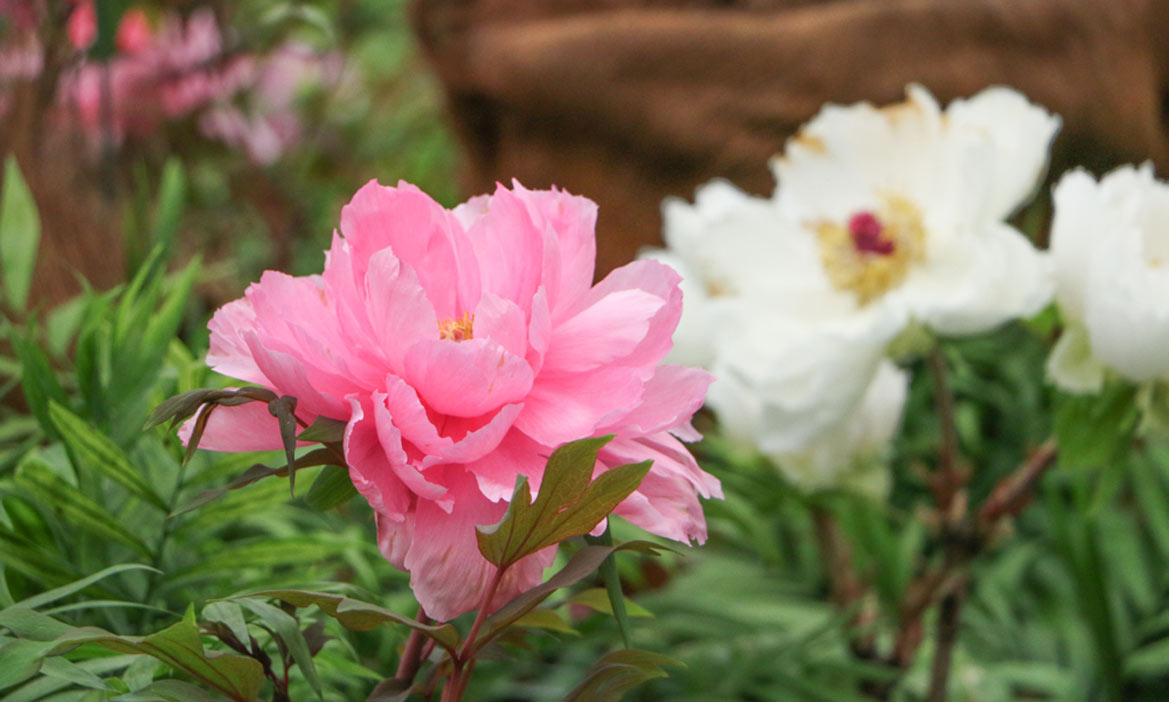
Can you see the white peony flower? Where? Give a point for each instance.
(791, 355)
(1110, 244)
(907, 204)
(882, 218)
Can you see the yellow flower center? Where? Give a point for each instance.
(872, 253)
(457, 329)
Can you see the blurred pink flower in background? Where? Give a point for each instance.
(269, 125)
(462, 347)
(155, 76)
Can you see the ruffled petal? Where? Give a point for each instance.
(467, 378)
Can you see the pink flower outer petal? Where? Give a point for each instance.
(447, 573)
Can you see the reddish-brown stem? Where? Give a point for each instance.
(847, 588)
(947, 633)
(1014, 492)
(949, 477)
(412, 653)
(462, 661)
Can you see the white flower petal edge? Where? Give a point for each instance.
(1110, 244)
(1109, 241)
(853, 452)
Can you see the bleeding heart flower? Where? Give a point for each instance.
(463, 347)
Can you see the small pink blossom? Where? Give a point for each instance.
(167, 74)
(462, 346)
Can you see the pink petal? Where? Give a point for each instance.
(447, 572)
(391, 440)
(287, 375)
(605, 331)
(423, 236)
(466, 378)
(508, 247)
(654, 278)
(246, 427)
(669, 399)
(399, 310)
(665, 503)
(496, 472)
(562, 408)
(503, 322)
(369, 469)
(569, 258)
(229, 353)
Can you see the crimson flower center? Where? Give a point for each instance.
(866, 230)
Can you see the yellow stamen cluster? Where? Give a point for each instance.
(867, 274)
(457, 329)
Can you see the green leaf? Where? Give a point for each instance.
(268, 553)
(33, 560)
(568, 504)
(230, 615)
(32, 625)
(331, 488)
(35, 476)
(316, 457)
(37, 380)
(169, 691)
(1094, 430)
(613, 588)
(361, 616)
(284, 409)
(179, 646)
(617, 673)
(172, 193)
(324, 430)
(65, 590)
(20, 234)
(97, 452)
(598, 598)
(583, 562)
(545, 619)
(64, 669)
(289, 631)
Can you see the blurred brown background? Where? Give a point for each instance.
(629, 102)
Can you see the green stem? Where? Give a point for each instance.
(613, 586)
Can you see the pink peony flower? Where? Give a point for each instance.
(462, 347)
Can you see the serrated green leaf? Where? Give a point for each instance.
(568, 503)
(35, 476)
(361, 616)
(97, 452)
(289, 631)
(20, 235)
(619, 672)
(331, 488)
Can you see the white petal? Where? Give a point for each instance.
(851, 453)
(844, 159)
(1016, 134)
(1071, 366)
(979, 282)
